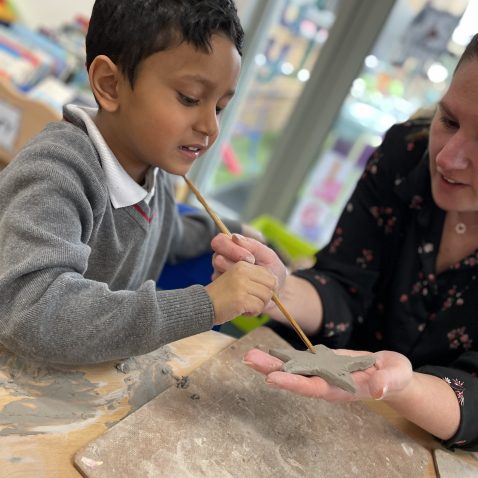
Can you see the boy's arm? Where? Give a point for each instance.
(58, 304)
(49, 311)
(194, 232)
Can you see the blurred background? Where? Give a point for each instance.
(322, 81)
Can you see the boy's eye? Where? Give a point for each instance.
(218, 110)
(187, 100)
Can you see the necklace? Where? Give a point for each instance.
(461, 227)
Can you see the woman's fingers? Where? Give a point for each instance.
(391, 373)
(221, 263)
(306, 386)
(224, 246)
(262, 362)
(238, 248)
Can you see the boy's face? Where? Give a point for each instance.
(170, 117)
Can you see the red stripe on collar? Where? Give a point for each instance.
(141, 211)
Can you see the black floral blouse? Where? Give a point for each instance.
(377, 278)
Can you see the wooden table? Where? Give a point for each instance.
(47, 414)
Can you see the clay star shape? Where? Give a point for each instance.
(325, 363)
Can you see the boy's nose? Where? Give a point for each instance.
(208, 123)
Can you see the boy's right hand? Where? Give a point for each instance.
(230, 250)
(244, 289)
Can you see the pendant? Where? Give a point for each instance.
(460, 228)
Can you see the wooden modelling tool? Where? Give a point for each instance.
(222, 227)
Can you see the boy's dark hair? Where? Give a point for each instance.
(128, 31)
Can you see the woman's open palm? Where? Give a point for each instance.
(391, 373)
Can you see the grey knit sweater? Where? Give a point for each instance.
(78, 277)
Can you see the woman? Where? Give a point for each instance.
(399, 276)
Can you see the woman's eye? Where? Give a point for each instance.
(187, 100)
(449, 123)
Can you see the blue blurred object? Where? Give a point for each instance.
(186, 273)
(192, 271)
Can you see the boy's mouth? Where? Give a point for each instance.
(193, 148)
(192, 151)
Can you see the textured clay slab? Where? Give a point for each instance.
(451, 465)
(226, 422)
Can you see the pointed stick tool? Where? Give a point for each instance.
(222, 227)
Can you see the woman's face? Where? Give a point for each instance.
(454, 143)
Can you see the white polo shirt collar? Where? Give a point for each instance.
(123, 190)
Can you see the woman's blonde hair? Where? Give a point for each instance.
(471, 51)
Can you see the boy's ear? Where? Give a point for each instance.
(104, 78)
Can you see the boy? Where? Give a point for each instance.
(87, 216)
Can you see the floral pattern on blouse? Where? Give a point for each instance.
(458, 387)
(336, 241)
(377, 277)
(365, 258)
(459, 338)
(384, 217)
(332, 328)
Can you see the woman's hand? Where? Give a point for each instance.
(229, 250)
(252, 232)
(390, 375)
